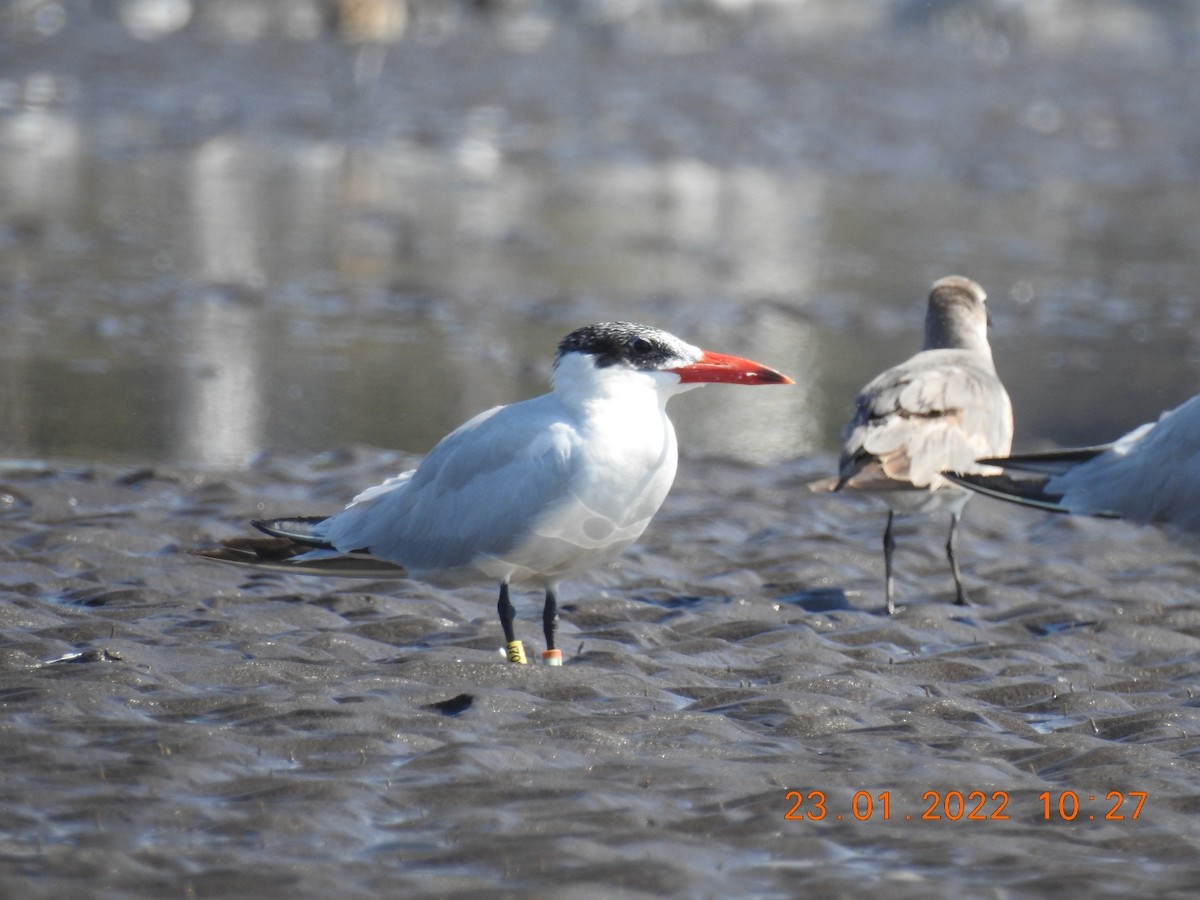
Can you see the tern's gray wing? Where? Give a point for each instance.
(1151, 475)
(941, 410)
(478, 492)
(1028, 491)
(1047, 462)
(1037, 469)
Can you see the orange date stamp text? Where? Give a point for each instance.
(968, 806)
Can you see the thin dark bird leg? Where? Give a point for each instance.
(889, 545)
(960, 594)
(550, 619)
(512, 647)
(507, 614)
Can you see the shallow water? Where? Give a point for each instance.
(210, 247)
(233, 256)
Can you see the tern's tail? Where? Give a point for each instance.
(296, 545)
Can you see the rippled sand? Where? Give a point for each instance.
(225, 733)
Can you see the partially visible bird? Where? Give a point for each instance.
(1150, 476)
(939, 410)
(538, 491)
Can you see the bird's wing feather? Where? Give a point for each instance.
(477, 492)
(1025, 491)
(1151, 475)
(304, 530)
(283, 555)
(942, 409)
(1046, 462)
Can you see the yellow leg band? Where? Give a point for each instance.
(516, 652)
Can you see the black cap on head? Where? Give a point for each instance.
(624, 343)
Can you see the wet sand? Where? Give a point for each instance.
(227, 733)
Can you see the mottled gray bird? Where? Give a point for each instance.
(940, 410)
(535, 491)
(1150, 476)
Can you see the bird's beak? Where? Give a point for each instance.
(728, 369)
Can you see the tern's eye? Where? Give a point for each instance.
(642, 347)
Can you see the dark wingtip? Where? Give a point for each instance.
(1048, 462)
(252, 550)
(1025, 491)
(294, 528)
(279, 555)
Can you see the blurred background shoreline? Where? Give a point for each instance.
(234, 227)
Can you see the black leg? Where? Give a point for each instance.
(550, 619)
(512, 647)
(960, 595)
(507, 613)
(889, 545)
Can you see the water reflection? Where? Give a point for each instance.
(259, 260)
(220, 420)
(40, 172)
(195, 286)
(360, 262)
(225, 202)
